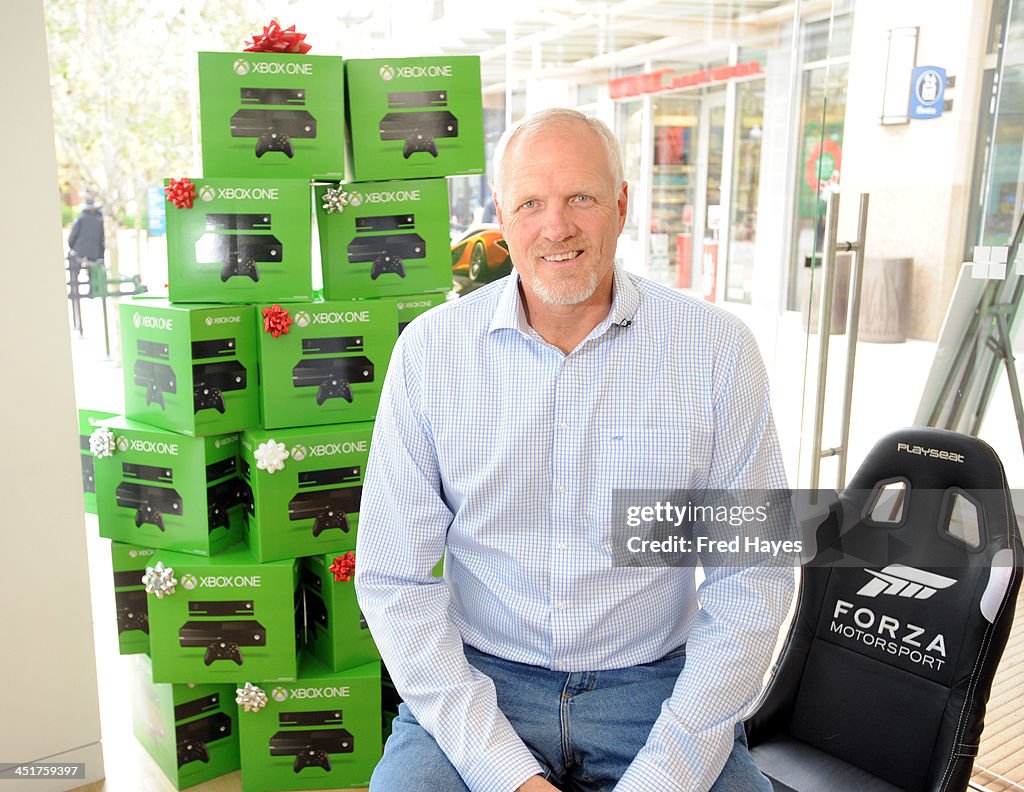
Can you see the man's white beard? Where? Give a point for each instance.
(571, 291)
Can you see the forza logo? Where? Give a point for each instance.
(897, 580)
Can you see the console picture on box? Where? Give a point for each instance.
(222, 629)
(311, 747)
(273, 127)
(227, 242)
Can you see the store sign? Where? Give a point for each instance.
(155, 203)
(667, 80)
(927, 91)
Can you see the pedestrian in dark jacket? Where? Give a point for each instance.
(86, 240)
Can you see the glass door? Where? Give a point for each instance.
(709, 176)
(674, 189)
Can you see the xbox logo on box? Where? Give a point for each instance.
(188, 582)
(401, 306)
(209, 321)
(136, 319)
(122, 443)
(302, 318)
(279, 694)
(355, 198)
(299, 453)
(241, 67)
(386, 72)
(206, 192)
(133, 553)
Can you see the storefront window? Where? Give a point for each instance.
(673, 189)
(819, 165)
(1004, 194)
(746, 169)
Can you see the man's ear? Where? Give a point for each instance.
(497, 210)
(623, 205)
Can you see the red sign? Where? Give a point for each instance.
(662, 79)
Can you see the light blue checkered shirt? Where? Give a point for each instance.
(499, 451)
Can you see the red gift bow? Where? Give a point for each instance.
(276, 320)
(344, 567)
(274, 38)
(181, 193)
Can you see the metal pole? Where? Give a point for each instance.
(828, 269)
(852, 332)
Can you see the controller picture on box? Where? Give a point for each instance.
(418, 128)
(150, 502)
(311, 747)
(222, 638)
(274, 129)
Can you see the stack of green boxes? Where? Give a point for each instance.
(231, 485)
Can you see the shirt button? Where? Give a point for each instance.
(563, 425)
(561, 488)
(560, 606)
(560, 545)
(558, 664)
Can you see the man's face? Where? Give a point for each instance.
(561, 213)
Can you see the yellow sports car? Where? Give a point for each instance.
(481, 255)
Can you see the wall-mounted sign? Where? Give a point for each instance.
(927, 90)
(667, 80)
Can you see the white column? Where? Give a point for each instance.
(47, 665)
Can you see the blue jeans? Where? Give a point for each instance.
(584, 728)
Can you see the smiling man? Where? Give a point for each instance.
(539, 661)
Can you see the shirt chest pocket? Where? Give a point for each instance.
(641, 468)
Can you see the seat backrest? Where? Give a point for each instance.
(903, 614)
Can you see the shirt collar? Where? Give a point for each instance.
(510, 314)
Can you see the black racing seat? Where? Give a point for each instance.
(900, 622)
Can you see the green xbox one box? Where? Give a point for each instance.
(223, 618)
(242, 240)
(190, 368)
(324, 363)
(306, 485)
(167, 490)
(322, 731)
(274, 115)
(190, 730)
(384, 238)
(414, 118)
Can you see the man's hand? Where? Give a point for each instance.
(537, 784)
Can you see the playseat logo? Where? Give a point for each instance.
(231, 581)
(243, 67)
(218, 320)
(333, 449)
(419, 71)
(897, 580)
(334, 317)
(934, 453)
(152, 322)
(396, 195)
(317, 693)
(888, 635)
(248, 193)
(154, 447)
